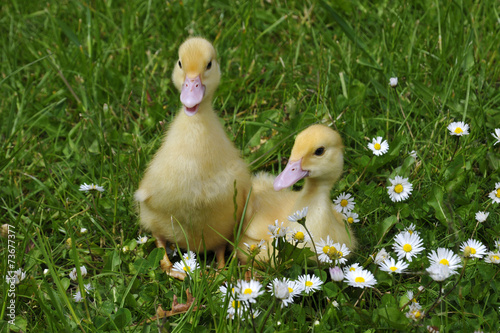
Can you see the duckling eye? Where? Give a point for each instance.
(320, 151)
(209, 65)
(180, 65)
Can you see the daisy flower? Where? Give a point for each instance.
(336, 274)
(88, 287)
(235, 307)
(492, 258)
(352, 268)
(15, 276)
(495, 194)
(413, 154)
(400, 189)
(481, 216)
(78, 297)
(378, 147)
(496, 135)
(277, 230)
(473, 248)
(407, 245)
(91, 187)
(458, 128)
(344, 203)
(310, 283)
(298, 237)
(439, 272)
(392, 266)
(248, 291)
(411, 229)
(142, 239)
(323, 248)
(445, 257)
(254, 249)
(342, 252)
(351, 217)
(298, 215)
(360, 278)
(393, 82)
(186, 265)
(285, 290)
(189, 255)
(73, 275)
(381, 256)
(414, 311)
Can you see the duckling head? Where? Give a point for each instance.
(316, 154)
(196, 73)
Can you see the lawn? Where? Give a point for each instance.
(86, 96)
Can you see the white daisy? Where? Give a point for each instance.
(407, 245)
(439, 272)
(285, 290)
(297, 236)
(310, 283)
(248, 291)
(352, 268)
(492, 257)
(298, 215)
(393, 82)
(496, 135)
(340, 255)
(458, 128)
(336, 274)
(392, 266)
(411, 229)
(400, 189)
(481, 216)
(235, 308)
(73, 275)
(445, 257)
(88, 287)
(413, 154)
(254, 249)
(91, 187)
(336, 304)
(189, 255)
(381, 256)
(277, 230)
(344, 203)
(83, 231)
(141, 239)
(414, 311)
(378, 147)
(351, 217)
(473, 248)
(323, 248)
(15, 276)
(78, 297)
(360, 278)
(186, 265)
(495, 194)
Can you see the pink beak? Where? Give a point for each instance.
(191, 95)
(290, 175)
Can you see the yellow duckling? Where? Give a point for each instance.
(317, 156)
(186, 195)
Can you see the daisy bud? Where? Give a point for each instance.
(336, 274)
(393, 81)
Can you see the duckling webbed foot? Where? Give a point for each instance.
(165, 264)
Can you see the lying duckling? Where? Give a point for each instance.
(317, 156)
(186, 195)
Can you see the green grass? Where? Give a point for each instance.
(85, 95)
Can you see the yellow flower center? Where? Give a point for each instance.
(326, 248)
(417, 314)
(359, 279)
(458, 130)
(343, 202)
(398, 188)
(407, 248)
(290, 290)
(247, 291)
(410, 231)
(299, 236)
(393, 268)
(253, 247)
(377, 146)
(236, 304)
(309, 283)
(498, 193)
(470, 250)
(350, 220)
(339, 254)
(187, 269)
(352, 269)
(332, 251)
(444, 262)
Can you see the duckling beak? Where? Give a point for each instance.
(290, 175)
(192, 93)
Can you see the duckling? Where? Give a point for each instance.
(186, 194)
(317, 156)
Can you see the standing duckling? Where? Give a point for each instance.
(186, 195)
(317, 156)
